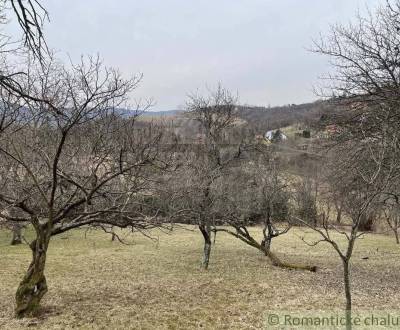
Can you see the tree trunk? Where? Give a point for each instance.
(17, 234)
(396, 234)
(266, 243)
(268, 233)
(339, 215)
(206, 231)
(347, 289)
(279, 263)
(33, 286)
(395, 229)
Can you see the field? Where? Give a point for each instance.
(98, 284)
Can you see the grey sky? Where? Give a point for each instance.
(255, 47)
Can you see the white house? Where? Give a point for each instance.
(270, 134)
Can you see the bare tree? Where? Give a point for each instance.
(10, 112)
(215, 116)
(306, 194)
(31, 15)
(358, 199)
(258, 193)
(338, 203)
(392, 217)
(366, 81)
(70, 161)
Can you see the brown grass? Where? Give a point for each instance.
(98, 284)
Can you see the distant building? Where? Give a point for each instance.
(332, 129)
(275, 136)
(269, 135)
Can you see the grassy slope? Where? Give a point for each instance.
(98, 284)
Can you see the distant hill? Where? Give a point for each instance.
(269, 118)
(261, 119)
(130, 113)
(162, 113)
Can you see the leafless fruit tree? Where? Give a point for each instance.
(358, 200)
(9, 114)
(365, 58)
(391, 214)
(213, 155)
(365, 81)
(67, 161)
(258, 193)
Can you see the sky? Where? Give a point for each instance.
(256, 48)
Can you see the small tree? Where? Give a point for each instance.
(68, 161)
(306, 199)
(365, 81)
(215, 116)
(9, 114)
(360, 188)
(258, 187)
(392, 217)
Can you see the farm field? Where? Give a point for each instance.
(98, 284)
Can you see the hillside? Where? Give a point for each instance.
(262, 119)
(268, 118)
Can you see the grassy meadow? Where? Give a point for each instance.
(95, 283)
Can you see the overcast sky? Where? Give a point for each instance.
(254, 47)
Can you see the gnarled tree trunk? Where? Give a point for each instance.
(265, 247)
(268, 233)
(206, 231)
(279, 263)
(33, 286)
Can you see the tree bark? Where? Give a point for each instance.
(206, 231)
(396, 234)
(17, 234)
(266, 245)
(339, 215)
(246, 238)
(268, 233)
(347, 289)
(33, 286)
(279, 263)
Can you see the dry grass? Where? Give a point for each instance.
(98, 284)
